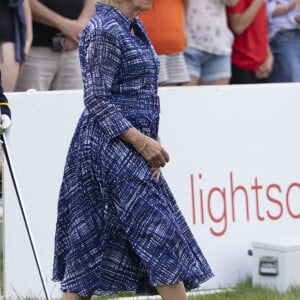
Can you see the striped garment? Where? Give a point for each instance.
(118, 228)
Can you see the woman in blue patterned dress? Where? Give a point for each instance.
(118, 225)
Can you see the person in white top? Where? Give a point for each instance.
(209, 42)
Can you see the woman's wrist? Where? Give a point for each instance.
(137, 139)
(144, 146)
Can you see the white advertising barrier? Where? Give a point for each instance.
(234, 170)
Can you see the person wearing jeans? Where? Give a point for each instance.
(284, 36)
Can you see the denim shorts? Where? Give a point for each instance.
(207, 66)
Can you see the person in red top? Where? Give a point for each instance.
(165, 24)
(251, 59)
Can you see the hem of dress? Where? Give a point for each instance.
(133, 288)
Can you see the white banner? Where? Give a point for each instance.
(234, 170)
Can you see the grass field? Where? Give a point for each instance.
(1, 273)
(243, 291)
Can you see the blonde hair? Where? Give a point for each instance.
(114, 3)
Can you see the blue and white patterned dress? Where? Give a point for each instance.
(118, 228)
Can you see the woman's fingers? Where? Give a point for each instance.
(166, 156)
(154, 153)
(155, 172)
(158, 161)
(158, 164)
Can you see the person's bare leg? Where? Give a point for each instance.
(194, 81)
(10, 68)
(73, 296)
(172, 292)
(221, 81)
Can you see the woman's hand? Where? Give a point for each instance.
(155, 170)
(153, 152)
(150, 149)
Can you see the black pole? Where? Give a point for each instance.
(13, 177)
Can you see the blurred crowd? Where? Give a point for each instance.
(199, 42)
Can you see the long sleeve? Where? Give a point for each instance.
(100, 60)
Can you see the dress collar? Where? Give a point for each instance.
(118, 15)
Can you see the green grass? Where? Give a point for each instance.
(243, 291)
(1, 273)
